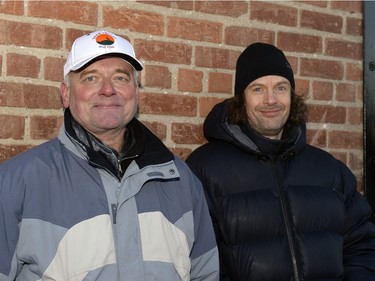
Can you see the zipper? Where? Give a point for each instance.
(119, 166)
(114, 212)
(287, 222)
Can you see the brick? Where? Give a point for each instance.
(292, 42)
(133, 20)
(40, 96)
(53, 68)
(163, 104)
(355, 116)
(355, 161)
(23, 65)
(302, 87)
(342, 156)
(220, 83)
(9, 151)
(73, 34)
(224, 8)
(360, 93)
(321, 69)
(14, 129)
(11, 94)
(12, 7)
(71, 11)
(326, 114)
(344, 49)
(355, 6)
(44, 127)
(193, 29)
(190, 80)
(354, 26)
(354, 71)
(343, 139)
(322, 90)
(181, 152)
(183, 133)
(159, 129)
(317, 138)
(346, 92)
(294, 64)
(322, 22)
(273, 13)
(30, 35)
(29, 96)
(183, 5)
(157, 76)
(206, 104)
(215, 57)
(244, 36)
(163, 51)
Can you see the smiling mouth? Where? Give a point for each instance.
(271, 112)
(106, 105)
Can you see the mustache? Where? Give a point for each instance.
(270, 108)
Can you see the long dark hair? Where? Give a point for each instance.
(237, 111)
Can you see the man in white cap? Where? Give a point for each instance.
(106, 200)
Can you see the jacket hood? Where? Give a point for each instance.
(216, 128)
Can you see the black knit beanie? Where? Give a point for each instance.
(260, 59)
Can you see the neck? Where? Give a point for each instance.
(274, 137)
(113, 139)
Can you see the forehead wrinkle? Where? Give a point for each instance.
(257, 83)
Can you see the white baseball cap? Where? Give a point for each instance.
(99, 43)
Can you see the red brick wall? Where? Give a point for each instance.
(189, 49)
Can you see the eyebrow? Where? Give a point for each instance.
(277, 84)
(85, 72)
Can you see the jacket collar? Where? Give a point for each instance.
(216, 128)
(140, 145)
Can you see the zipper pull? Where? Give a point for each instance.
(114, 212)
(119, 166)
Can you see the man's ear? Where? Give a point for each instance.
(64, 93)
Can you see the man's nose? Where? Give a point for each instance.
(107, 88)
(270, 97)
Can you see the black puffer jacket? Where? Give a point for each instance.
(282, 210)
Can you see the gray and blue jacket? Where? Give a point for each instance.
(67, 214)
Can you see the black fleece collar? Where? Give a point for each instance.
(140, 145)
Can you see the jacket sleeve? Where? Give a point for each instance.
(9, 228)
(204, 253)
(359, 235)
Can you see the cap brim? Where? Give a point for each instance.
(132, 61)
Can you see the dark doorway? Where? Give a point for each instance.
(369, 102)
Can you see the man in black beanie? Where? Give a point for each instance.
(282, 209)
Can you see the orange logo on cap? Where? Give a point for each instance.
(105, 39)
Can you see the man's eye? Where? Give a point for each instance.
(281, 88)
(89, 78)
(257, 89)
(122, 78)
